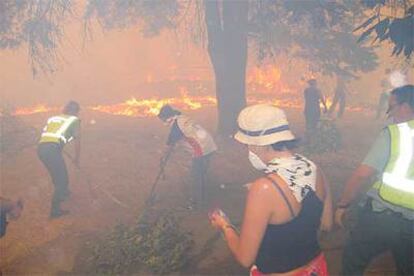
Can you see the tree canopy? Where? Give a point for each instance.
(391, 21)
(38, 25)
(318, 31)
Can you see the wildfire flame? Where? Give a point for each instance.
(268, 77)
(150, 107)
(328, 102)
(40, 108)
(265, 85)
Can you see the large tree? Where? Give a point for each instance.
(227, 48)
(318, 31)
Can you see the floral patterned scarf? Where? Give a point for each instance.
(298, 172)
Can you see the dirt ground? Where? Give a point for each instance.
(120, 157)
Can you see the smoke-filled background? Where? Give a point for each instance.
(118, 65)
(122, 61)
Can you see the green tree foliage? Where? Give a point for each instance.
(319, 32)
(151, 16)
(391, 21)
(314, 30)
(39, 24)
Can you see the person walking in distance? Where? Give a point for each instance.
(386, 214)
(59, 131)
(339, 98)
(198, 141)
(313, 98)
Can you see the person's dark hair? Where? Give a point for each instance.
(167, 112)
(285, 145)
(71, 108)
(312, 81)
(404, 94)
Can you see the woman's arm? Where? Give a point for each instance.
(327, 213)
(256, 216)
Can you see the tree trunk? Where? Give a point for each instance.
(227, 48)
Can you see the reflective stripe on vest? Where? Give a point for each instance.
(59, 133)
(398, 178)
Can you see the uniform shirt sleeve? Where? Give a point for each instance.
(175, 134)
(378, 155)
(74, 129)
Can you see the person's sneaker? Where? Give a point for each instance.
(57, 214)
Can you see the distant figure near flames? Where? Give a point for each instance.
(313, 97)
(198, 140)
(59, 131)
(339, 97)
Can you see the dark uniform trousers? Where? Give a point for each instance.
(51, 156)
(199, 174)
(375, 233)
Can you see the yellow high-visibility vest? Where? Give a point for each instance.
(397, 182)
(56, 129)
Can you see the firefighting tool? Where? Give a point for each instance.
(163, 163)
(91, 189)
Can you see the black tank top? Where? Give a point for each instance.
(291, 245)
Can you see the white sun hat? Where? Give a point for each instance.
(263, 124)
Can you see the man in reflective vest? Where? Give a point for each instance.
(59, 131)
(197, 140)
(386, 215)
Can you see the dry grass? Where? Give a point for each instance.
(120, 156)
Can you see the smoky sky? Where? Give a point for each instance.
(112, 67)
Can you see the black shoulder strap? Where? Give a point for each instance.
(283, 194)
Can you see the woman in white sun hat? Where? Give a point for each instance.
(285, 208)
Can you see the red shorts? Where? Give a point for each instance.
(317, 267)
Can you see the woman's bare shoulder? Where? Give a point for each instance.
(260, 185)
